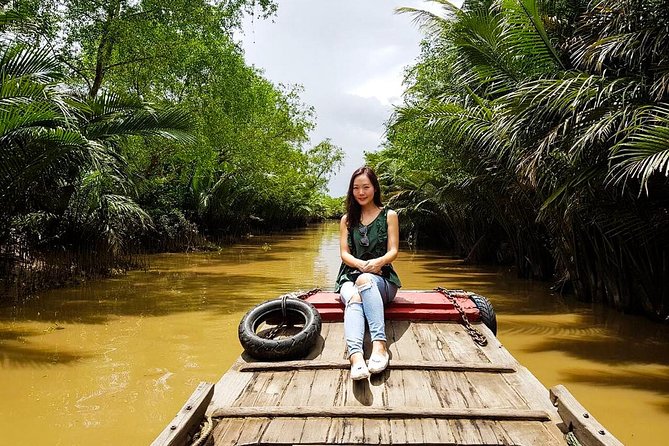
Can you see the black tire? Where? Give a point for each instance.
(295, 346)
(488, 316)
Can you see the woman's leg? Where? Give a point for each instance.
(374, 291)
(354, 318)
(354, 330)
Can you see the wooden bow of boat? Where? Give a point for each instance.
(440, 388)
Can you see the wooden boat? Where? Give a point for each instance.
(440, 388)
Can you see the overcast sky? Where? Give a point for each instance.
(349, 55)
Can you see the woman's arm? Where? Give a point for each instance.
(375, 265)
(344, 250)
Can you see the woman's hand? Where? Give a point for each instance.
(371, 266)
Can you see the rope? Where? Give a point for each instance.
(284, 298)
(207, 427)
(476, 335)
(572, 440)
(283, 306)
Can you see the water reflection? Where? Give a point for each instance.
(117, 358)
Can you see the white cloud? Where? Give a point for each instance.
(349, 55)
(386, 87)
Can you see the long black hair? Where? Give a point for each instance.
(353, 209)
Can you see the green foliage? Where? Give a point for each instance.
(139, 124)
(546, 126)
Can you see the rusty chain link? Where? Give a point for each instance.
(476, 335)
(294, 295)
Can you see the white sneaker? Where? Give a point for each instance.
(359, 371)
(378, 362)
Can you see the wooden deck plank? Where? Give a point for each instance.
(345, 431)
(252, 430)
(239, 431)
(465, 432)
(422, 364)
(299, 388)
(266, 389)
(381, 412)
(403, 344)
(450, 390)
(221, 435)
(316, 431)
(328, 388)
(319, 349)
(431, 432)
(444, 430)
(462, 346)
(494, 351)
(431, 344)
(335, 343)
(494, 391)
(357, 393)
(489, 432)
(283, 431)
(229, 388)
(378, 390)
(376, 431)
(418, 389)
(398, 431)
(532, 434)
(394, 393)
(465, 387)
(414, 431)
(531, 391)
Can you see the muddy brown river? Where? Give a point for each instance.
(112, 361)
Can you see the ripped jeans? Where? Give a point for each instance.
(374, 294)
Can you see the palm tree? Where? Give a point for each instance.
(567, 131)
(63, 180)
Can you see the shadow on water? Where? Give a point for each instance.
(159, 297)
(20, 356)
(226, 282)
(633, 352)
(653, 382)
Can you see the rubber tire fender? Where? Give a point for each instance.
(488, 316)
(292, 347)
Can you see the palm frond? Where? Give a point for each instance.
(110, 116)
(37, 64)
(432, 23)
(645, 149)
(528, 36)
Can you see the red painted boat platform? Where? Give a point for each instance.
(408, 305)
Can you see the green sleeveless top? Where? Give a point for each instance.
(377, 233)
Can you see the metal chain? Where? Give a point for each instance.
(476, 335)
(294, 295)
(308, 293)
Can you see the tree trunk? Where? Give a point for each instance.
(105, 47)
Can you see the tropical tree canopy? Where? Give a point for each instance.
(138, 124)
(538, 131)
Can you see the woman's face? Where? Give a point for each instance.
(363, 190)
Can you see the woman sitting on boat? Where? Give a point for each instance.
(369, 241)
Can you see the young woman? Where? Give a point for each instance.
(368, 240)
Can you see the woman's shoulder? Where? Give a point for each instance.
(343, 222)
(389, 212)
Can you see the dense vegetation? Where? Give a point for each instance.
(137, 124)
(538, 131)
